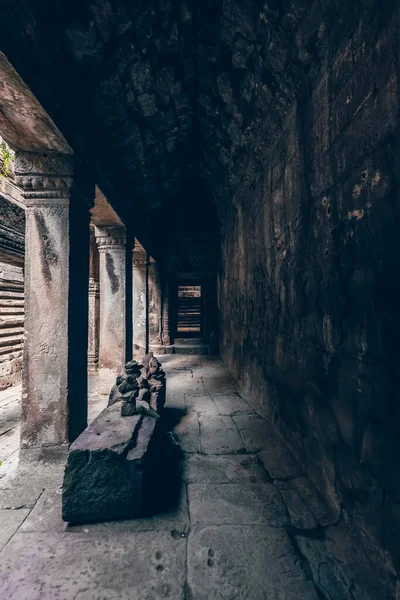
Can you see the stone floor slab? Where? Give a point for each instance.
(46, 514)
(236, 504)
(253, 429)
(10, 395)
(10, 521)
(46, 518)
(203, 404)
(219, 435)
(187, 433)
(252, 563)
(230, 404)
(77, 567)
(219, 383)
(20, 496)
(11, 411)
(198, 468)
(175, 400)
(9, 439)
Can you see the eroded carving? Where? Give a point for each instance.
(110, 238)
(44, 175)
(141, 388)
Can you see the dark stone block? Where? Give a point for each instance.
(105, 472)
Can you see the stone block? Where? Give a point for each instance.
(105, 472)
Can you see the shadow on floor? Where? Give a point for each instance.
(163, 482)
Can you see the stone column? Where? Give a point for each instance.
(94, 304)
(111, 241)
(94, 324)
(166, 334)
(139, 301)
(54, 392)
(154, 307)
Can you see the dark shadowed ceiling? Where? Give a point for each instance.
(153, 93)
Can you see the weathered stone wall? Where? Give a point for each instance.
(12, 242)
(310, 294)
(11, 324)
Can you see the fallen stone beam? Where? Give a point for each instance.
(107, 467)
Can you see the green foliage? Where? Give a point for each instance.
(6, 159)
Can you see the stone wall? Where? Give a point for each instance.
(11, 324)
(12, 242)
(310, 294)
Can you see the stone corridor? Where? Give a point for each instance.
(248, 525)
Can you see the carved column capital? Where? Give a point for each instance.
(44, 178)
(139, 256)
(110, 237)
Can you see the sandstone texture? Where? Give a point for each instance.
(105, 472)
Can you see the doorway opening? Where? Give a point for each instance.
(190, 317)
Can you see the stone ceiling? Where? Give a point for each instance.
(153, 93)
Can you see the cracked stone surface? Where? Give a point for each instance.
(72, 565)
(219, 435)
(187, 432)
(245, 562)
(223, 469)
(230, 404)
(246, 522)
(203, 404)
(10, 521)
(253, 430)
(279, 461)
(236, 504)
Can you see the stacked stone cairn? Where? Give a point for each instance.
(110, 464)
(141, 389)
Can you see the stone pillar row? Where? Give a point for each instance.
(65, 327)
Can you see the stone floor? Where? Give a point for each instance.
(248, 525)
(10, 411)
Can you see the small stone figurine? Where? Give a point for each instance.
(126, 389)
(141, 389)
(156, 383)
